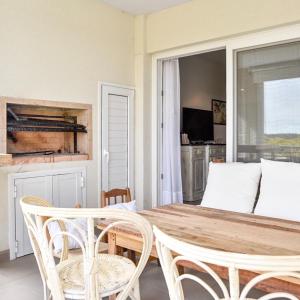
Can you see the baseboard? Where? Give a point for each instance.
(4, 255)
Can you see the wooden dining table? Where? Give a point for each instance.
(219, 230)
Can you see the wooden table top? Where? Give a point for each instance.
(224, 230)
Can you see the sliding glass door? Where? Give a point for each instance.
(268, 103)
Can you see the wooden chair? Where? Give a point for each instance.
(92, 275)
(218, 160)
(125, 196)
(112, 197)
(266, 266)
(114, 194)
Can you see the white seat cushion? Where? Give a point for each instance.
(280, 190)
(55, 230)
(131, 206)
(232, 186)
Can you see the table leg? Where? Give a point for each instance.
(132, 255)
(120, 251)
(112, 249)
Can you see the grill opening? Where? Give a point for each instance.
(45, 131)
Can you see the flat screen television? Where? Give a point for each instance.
(198, 124)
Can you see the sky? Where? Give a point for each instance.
(282, 106)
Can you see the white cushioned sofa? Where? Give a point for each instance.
(269, 188)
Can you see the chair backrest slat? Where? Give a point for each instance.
(113, 195)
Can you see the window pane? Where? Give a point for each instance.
(268, 103)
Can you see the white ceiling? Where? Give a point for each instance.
(137, 7)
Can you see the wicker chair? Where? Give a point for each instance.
(268, 267)
(92, 275)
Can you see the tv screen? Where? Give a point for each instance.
(198, 124)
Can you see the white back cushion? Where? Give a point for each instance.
(54, 227)
(232, 186)
(279, 190)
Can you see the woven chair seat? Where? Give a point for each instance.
(113, 272)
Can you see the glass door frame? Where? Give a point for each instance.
(263, 39)
(267, 37)
(260, 109)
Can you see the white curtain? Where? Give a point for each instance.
(171, 183)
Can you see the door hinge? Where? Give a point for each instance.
(162, 125)
(16, 246)
(15, 191)
(162, 93)
(161, 176)
(82, 182)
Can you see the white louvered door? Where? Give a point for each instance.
(117, 137)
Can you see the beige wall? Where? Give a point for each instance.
(60, 49)
(201, 80)
(197, 21)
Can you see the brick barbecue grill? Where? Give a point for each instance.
(44, 131)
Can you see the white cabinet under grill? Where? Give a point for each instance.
(61, 188)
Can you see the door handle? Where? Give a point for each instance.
(106, 154)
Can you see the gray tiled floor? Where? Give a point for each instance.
(20, 279)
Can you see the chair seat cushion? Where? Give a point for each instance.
(232, 186)
(280, 190)
(55, 230)
(113, 272)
